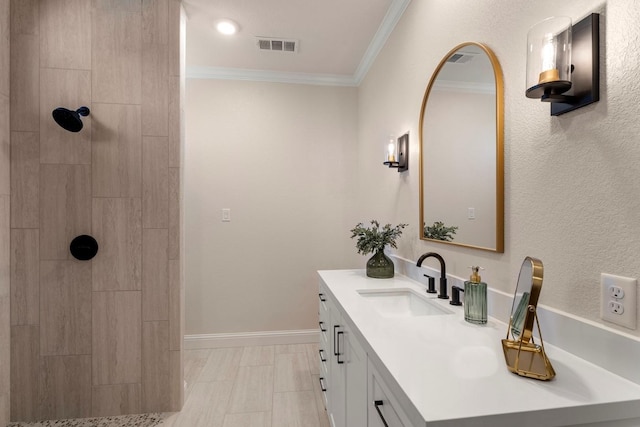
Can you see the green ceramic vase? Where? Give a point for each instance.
(380, 266)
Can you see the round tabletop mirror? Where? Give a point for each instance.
(526, 295)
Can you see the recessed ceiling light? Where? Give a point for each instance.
(226, 27)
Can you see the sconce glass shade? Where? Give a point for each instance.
(391, 151)
(549, 58)
(396, 155)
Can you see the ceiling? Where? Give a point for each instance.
(337, 40)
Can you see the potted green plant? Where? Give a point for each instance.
(374, 239)
(438, 231)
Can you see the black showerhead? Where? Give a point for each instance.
(69, 119)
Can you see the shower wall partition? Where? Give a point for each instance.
(102, 336)
(5, 198)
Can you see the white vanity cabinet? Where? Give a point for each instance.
(355, 393)
(385, 370)
(344, 367)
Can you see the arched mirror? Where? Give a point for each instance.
(461, 156)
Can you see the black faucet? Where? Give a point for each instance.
(443, 272)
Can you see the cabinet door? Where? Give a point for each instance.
(356, 381)
(337, 372)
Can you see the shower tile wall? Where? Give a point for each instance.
(100, 337)
(5, 200)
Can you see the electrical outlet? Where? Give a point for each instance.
(615, 307)
(616, 292)
(618, 300)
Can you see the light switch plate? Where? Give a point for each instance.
(618, 300)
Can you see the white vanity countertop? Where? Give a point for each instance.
(453, 373)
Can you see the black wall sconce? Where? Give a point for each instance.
(397, 154)
(563, 63)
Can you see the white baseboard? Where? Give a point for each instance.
(242, 339)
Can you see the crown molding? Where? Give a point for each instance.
(389, 22)
(221, 73)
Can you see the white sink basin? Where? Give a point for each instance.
(402, 302)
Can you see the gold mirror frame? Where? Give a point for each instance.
(522, 355)
(499, 83)
(526, 295)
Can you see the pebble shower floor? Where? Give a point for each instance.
(139, 420)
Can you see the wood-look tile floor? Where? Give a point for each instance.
(265, 386)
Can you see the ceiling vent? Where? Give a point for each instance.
(461, 58)
(277, 45)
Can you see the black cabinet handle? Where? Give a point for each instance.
(322, 298)
(378, 404)
(322, 359)
(322, 387)
(321, 328)
(335, 346)
(339, 354)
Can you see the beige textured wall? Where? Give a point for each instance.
(100, 337)
(571, 182)
(5, 199)
(281, 157)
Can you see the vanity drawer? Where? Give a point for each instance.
(323, 360)
(323, 304)
(323, 389)
(323, 326)
(383, 409)
(322, 300)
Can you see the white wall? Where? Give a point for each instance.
(282, 158)
(571, 182)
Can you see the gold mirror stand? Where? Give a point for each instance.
(528, 359)
(522, 355)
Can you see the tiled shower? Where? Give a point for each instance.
(99, 337)
(4, 213)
